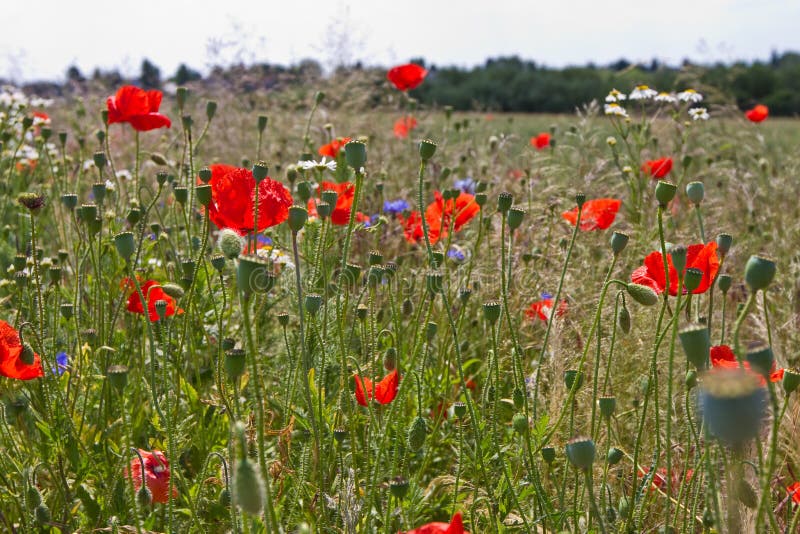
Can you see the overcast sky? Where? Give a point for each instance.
(39, 39)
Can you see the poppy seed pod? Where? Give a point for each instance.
(298, 216)
(204, 174)
(125, 244)
(607, 405)
(339, 434)
(573, 377)
(362, 311)
(134, 215)
(504, 201)
(619, 241)
(304, 191)
(398, 487)
(520, 423)
(437, 257)
(252, 275)
(283, 319)
(161, 309)
(324, 209)
(330, 196)
(430, 331)
(480, 199)
(260, 171)
(181, 194)
(548, 454)
(67, 311)
(464, 294)
(580, 199)
(692, 279)
(614, 456)
(665, 192)
(759, 272)
(69, 201)
(696, 192)
(491, 311)
(733, 405)
(724, 243)
(355, 153)
(515, 216)
(427, 149)
(100, 160)
(235, 360)
(791, 380)
(761, 359)
(218, 262)
(642, 294)
(460, 409)
(262, 123)
(203, 193)
(162, 177)
(312, 303)
(678, 255)
(434, 282)
(696, 344)
(417, 433)
(724, 282)
(581, 453)
(99, 192)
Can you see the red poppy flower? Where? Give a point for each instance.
(341, 212)
(722, 357)
(657, 168)
(543, 308)
(332, 149)
(407, 76)
(660, 478)
(598, 214)
(11, 364)
(385, 390)
(541, 141)
(233, 197)
(403, 126)
(439, 214)
(156, 472)
(698, 256)
(794, 491)
(137, 107)
(152, 292)
(455, 526)
(757, 114)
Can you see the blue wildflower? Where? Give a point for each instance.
(467, 185)
(395, 206)
(546, 295)
(456, 254)
(62, 364)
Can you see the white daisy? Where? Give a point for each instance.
(665, 97)
(699, 114)
(690, 95)
(110, 185)
(124, 174)
(642, 92)
(615, 96)
(321, 165)
(615, 109)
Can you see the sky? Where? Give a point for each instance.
(42, 38)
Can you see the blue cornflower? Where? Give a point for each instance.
(456, 254)
(546, 295)
(395, 206)
(466, 184)
(62, 364)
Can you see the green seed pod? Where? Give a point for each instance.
(181, 194)
(416, 433)
(665, 192)
(708, 518)
(235, 360)
(362, 311)
(339, 434)
(515, 216)
(623, 506)
(724, 282)
(733, 405)
(642, 294)
(69, 201)
(614, 456)
(248, 486)
(398, 487)
(759, 272)
(262, 123)
(580, 198)
(761, 359)
(117, 376)
(504, 202)
(624, 319)
(203, 193)
(125, 244)
(791, 379)
(218, 262)
(480, 199)
(724, 243)
(312, 303)
(205, 174)
(619, 241)
(573, 377)
(518, 398)
(696, 192)
(581, 452)
(607, 404)
(520, 423)
(491, 311)
(548, 454)
(298, 216)
(692, 279)
(427, 149)
(375, 258)
(355, 153)
(678, 255)
(460, 409)
(696, 345)
(67, 310)
(434, 282)
(260, 171)
(252, 275)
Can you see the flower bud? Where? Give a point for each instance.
(696, 192)
(417, 433)
(518, 398)
(691, 379)
(355, 153)
(430, 331)
(642, 294)
(696, 345)
(614, 456)
(211, 109)
(230, 243)
(618, 242)
(581, 453)
(297, 218)
(759, 272)
(27, 356)
(624, 319)
(143, 496)
(262, 123)
(248, 486)
(407, 307)
(155, 157)
(390, 359)
(427, 149)
(520, 423)
(665, 192)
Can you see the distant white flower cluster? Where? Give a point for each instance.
(615, 98)
(22, 115)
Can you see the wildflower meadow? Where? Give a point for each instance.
(333, 309)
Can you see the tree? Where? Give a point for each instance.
(150, 77)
